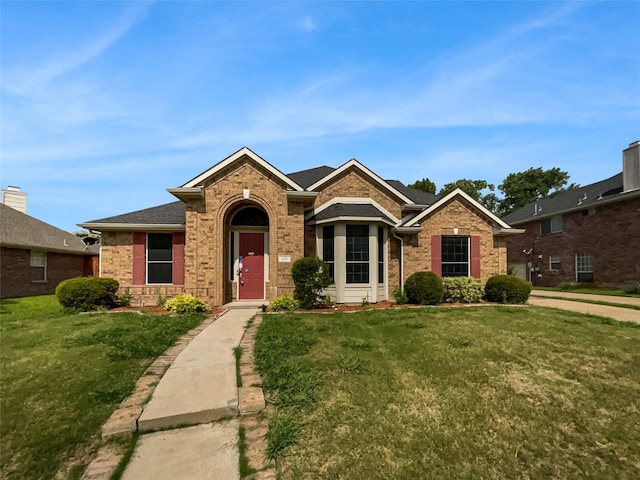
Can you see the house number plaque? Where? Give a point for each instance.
(284, 258)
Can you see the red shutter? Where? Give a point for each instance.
(178, 258)
(436, 254)
(139, 258)
(475, 257)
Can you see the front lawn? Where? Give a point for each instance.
(479, 392)
(63, 374)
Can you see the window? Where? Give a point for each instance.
(555, 262)
(160, 258)
(584, 267)
(38, 266)
(551, 225)
(380, 255)
(328, 251)
(357, 253)
(455, 256)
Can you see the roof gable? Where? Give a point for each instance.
(243, 152)
(167, 216)
(353, 163)
(308, 177)
(20, 230)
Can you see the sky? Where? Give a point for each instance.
(106, 104)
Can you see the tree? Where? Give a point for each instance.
(474, 189)
(424, 185)
(522, 188)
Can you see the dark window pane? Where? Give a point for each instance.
(159, 247)
(380, 255)
(455, 270)
(159, 273)
(251, 217)
(328, 254)
(586, 277)
(357, 243)
(357, 273)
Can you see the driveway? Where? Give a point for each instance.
(538, 297)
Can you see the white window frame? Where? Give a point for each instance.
(555, 259)
(39, 260)
(584, 264)
(467, 263)
(555, 225)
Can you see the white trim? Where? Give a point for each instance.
(39, 254)
(459, 192)
(244, 151)
(354, 220)
(135, 227)
(352, 201)
(182, 193)
(354, 163)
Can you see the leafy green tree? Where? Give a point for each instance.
(474, 189)
(522, 188)
(424, 185)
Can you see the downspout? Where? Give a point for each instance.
(401, 259)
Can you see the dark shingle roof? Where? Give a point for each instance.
(418, 196)
(306, 178)
(20, 230)
(174, 213)
(575, 198)
(359, 210)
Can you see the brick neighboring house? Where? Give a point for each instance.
(239, 226)
(587, 234)
(35, 256)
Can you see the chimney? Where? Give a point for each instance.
(14, 198)
(631, 167)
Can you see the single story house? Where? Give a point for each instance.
(588, 234)
(237, 227)
(35, 256)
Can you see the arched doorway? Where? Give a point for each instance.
(248, 252)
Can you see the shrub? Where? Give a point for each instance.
(400, 295)
(285, 303)
(424, 288)
(462, 290)
(310, 276)
(569, 285)
(185, 303)
(507, 289)
(87, 293)
(124, 300)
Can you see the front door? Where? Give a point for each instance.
(251, 249)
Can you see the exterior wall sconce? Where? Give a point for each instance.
(455, 231)
(245, 193)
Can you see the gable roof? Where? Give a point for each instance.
(19, 230)
(353, 163)
(244, 151)
(351, 211)
(170, 216)
(599, 193)
(306, 178)
(418, 196)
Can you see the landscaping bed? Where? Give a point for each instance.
(490, 392)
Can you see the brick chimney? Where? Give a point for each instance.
(631, 167)
(14, 198)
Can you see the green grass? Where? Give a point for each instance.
(480, 392)
(244, 467)
(62, 376)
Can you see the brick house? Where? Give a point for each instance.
(587, 234)
(238, 226)
(36, 256)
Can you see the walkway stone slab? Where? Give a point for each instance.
(588, 296)
(200, 385)
(616, 313)
(202, 452)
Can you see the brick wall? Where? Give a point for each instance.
(15, 272)
(611, 235)
(455, 214)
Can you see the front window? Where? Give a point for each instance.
(380, 255)
(555, 262)
(328, 251)
(38, 266)
(551, 225)
(455, 256)
(357, 254)
(584, 267)
(160, 258)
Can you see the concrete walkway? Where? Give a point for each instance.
(197, 389)
(616, 313)
(587, 296)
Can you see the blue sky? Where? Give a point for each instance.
(105, 104)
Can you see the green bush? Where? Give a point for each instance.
(400, 296)
(88, 293)
(310, 277)
(462, 290)
(285, 303)
(424, 288)
(507, 289)
(185, 303)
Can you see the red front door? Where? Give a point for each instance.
(251, 285)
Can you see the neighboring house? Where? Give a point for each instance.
(239, 226)
(587, 234)
(36, 256)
